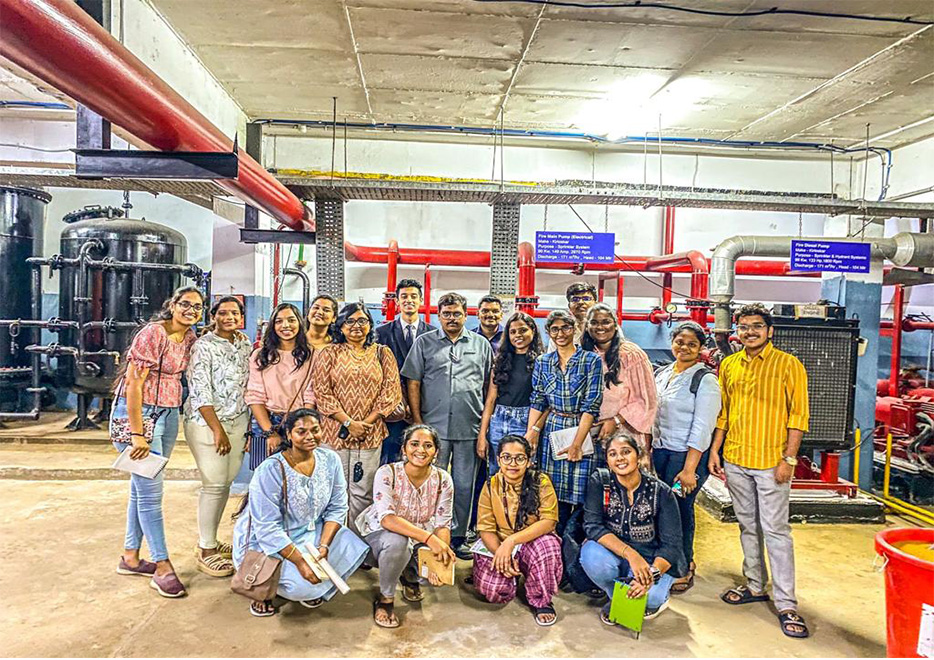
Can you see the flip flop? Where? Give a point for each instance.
(413, 593)
(743, 596)
(388, 609)
(312, 604)
(793, 624)
(263, 613)
(547, 609)
(681, 587)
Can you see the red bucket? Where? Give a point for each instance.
(909, 583)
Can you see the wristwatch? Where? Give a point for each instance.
(346, 423)
(791, 460)
(656, 574)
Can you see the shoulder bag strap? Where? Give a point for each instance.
(301, 388)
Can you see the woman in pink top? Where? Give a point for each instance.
(280, 380)
(630, 400)
(151, 389)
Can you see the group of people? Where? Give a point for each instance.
(568, 467)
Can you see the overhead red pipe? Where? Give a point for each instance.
(898, 311)
(427, 286)
(61, 44)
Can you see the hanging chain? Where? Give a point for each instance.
(545, 223)
(606, 218)
(800, 224)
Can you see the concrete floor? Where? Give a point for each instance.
(60, 541)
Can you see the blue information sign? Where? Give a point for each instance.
(831, 256)
(574, 247)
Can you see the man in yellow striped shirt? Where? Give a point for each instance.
(762, 420)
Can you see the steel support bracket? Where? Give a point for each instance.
(126, 164)
(276, 236)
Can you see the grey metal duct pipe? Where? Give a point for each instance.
(904, 249)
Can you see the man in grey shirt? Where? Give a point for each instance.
(448, 371)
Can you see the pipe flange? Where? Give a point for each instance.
(389, 295)
(56, 262)
(108, 263)
(527, 300)
(93, 211)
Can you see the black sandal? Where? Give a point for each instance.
(387, 608)
(743, 595)
(793, 624)
(681, 587)
(547, 609)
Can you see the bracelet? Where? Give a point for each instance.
(290, 553)
(142, 435)
(428, 538)
(537, 429)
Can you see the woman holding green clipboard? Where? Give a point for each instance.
(633, 529)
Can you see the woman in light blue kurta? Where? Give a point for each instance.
(314, 515)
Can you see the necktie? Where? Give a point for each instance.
(408, 337)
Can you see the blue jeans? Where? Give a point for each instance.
(667, 465)
(144, 510)
(605, 568)
(506, 420)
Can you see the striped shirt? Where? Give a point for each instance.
(763, 397)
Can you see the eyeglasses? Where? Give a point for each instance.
(454, 357)
(360, 322)
(184, 304)
(752, 326)
(580, 299)
(561, 329)
(518, 459)
(451, 315)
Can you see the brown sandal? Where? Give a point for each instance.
(387, 609)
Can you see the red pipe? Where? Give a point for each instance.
(427, 285)
(480, 259)
(389, 298)
(58, 42)
(908, 325)
(668, 247)
(898, 312)
(526, 277)
(619, 296)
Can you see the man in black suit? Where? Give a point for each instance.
(399, 335)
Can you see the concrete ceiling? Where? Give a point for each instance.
(458, 62)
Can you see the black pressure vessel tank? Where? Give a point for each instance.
(22, 215)
(123, 239)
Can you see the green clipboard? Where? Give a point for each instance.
(625, 611)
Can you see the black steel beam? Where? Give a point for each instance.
(114, 163)
(276, 236)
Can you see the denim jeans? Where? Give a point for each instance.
(667, 465)
(144, 510)
(605, 568)
(506, 420)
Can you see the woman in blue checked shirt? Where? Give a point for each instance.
(568, 382)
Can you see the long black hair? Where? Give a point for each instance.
(268, 353)
(346, 312)
(502, 366)
(289, 423)
(529, 492)
(612, 353)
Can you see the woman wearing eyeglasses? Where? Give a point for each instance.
(356, 384)
(151, 389)
(516, 519)
(567, 382)
(629, 400)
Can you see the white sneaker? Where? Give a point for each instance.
(651, 614)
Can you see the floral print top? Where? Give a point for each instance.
(152, 349)
(217, 376)
(428, 507)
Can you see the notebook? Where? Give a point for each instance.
(627, 612)
(561, 440)
(148, 467)
(427, 564)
